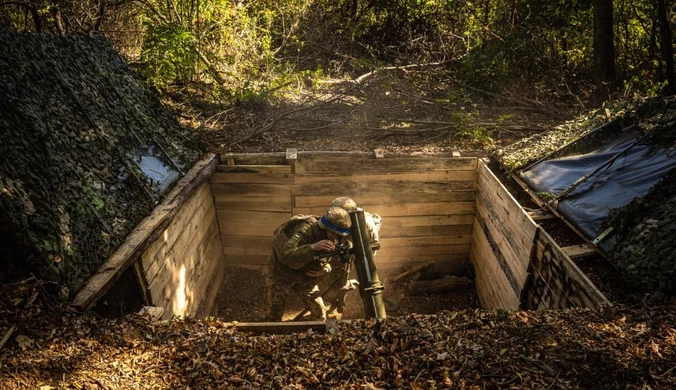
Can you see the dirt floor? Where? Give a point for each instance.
(242, 298)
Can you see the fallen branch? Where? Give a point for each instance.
(98, 382)
(363, 77)
(411, 271)
(7, 335)
(539, 364)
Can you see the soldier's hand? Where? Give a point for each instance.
(315, 274)
(323, 246)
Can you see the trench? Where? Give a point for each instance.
(205, 250)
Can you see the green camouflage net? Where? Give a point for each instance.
(73, 117)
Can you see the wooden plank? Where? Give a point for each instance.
(277, 169)
(419, 231)
(240, 251)
(213, 289)
(247, 241)
(519, 242)
(365, 201)
(251, 190)
(276, 158)
(181, 235)
(357, 189)
(259, 203)
(247, 216)
(281, 327)
(498, 198)
(391, 242)
(246, 229)
(170, 234)
(424, 250)
(555, 281)
(493, 288)
(430, 220)
(190, 216)
(145, 233)
(512, 266)
(428, 209)
(431, 250)
(540, 215)
(270, 178)
(182, 293)
(577, 251)
(407, 210)
(484, 289)
(177, 255)
(178, 269)
(189, 292)
(356, 177)
(326, 165)
(207, 279)
(142, 282)
(392, 262)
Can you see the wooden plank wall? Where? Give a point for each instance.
(180, 266)
(427, 202)
(501, 243)
(554, 281)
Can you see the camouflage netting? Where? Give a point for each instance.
(646, 227)
(73, 118)
(538, 146)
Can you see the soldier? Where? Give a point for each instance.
(292, 265)
(329, 283)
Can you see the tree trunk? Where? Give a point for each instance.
(439, 286)
(666, 46)
(604, 47)
(58, 22)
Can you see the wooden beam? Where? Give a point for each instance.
(145, 233)
(540, 215)
(581, 250)
(281, 327)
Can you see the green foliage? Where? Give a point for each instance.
(168, 54)
(546, 196)
(247, 46)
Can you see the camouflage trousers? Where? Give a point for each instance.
(277, 289)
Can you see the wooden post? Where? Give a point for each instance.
(229, 159)
(291, 158)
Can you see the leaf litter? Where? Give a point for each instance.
(608, 347)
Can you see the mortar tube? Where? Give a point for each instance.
(370, 287)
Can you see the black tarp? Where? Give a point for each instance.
(622, 164)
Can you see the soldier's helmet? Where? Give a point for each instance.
(337, 220)
(345, 203)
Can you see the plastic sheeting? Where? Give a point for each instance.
(638, 165)
(151, 164)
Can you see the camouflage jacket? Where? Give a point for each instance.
(292, 255)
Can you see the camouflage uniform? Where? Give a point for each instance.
(373, 223)
(291, 258)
